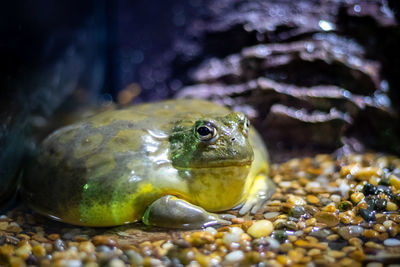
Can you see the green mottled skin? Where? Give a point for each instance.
(107, 169)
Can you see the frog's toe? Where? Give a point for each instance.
(257, 198)
(172, 212)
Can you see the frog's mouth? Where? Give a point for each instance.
(221, 164)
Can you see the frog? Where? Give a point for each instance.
(173, 163)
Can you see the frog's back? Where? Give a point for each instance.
(84, 170)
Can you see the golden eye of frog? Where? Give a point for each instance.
(171, 164)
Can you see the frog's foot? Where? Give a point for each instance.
(172, 212)
(261, 190)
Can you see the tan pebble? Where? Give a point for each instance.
(39, 238)
(23, 251)
(16, 262)
(388, 224)
(356, 197)
(335, 198)
(391, 206)
(348, 249)
(38, 251)
(394, 180)
(86, 246)
(348, 262)
(362, 205)
(238, 220)
(357, 220)
(3, 226)
(53, 237)
(346, 217)
(328, 218)
(305, 244)
(368, 233)
(311, 222)
(286, 247)
(332, 237)
(283, 260)
(296, 200)
(330, 208)
(354, 241)
(116, 263)
(301, 225)
(374, 180)
(379, 228)
(371, 244)
(99, 240)
(23, 236)
(311, 239)
(314, 252)
(14, 228)
(358, 255)
(200, 238)
(260, 228)
(312, 199)
(295, 255)
(336, 254)
(292, 238)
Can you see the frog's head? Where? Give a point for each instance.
(214, 155)
(211, 142)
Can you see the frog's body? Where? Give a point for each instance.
(108, 169)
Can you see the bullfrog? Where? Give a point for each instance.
(171, 164)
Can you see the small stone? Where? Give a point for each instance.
(297, 211)
(116, 263)
(374, 264)
(394, 180)
(367, 215)
(260, 228)
(328, 218)
(371, 244)
(391, 206)
(392, 242)
(53, 237)
(23, 251)
(314, 252)
(370, 234)
(234, 256)
(312, 199)
(332, 237)
(86, 246)
(356, 197)
(296, 200)
(354, 241)
(99, 240)
(270, 215)
(200, 238)
(134, 257)
(305, 244)
(369, 189)
(345, 205)
(3, 226)
(39, 251)
(336, 254)
(295, 255)
(335, 198)
(347, 232)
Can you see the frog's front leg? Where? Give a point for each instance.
(172, 212)
(261, 190)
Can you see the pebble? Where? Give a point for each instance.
(312, 199)
(395, 181)
(328, 218)
(391, 242)
(347, 232)
(260, 228)
(270, 215)
(234, 256)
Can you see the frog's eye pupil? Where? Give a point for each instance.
(203, 131)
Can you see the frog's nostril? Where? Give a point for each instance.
(233, 139)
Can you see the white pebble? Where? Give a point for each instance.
(313, 185)
(231, 238)
(234, 256)
(211, 230)
(236, 230)
(270, 215)
(335, 198)
(285, 184)
(391, 242)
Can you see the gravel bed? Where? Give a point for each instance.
(325, 211)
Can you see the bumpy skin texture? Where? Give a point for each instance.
(107, 169)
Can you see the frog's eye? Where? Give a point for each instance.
(206, 133)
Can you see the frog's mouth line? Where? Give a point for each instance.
(227, 164)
